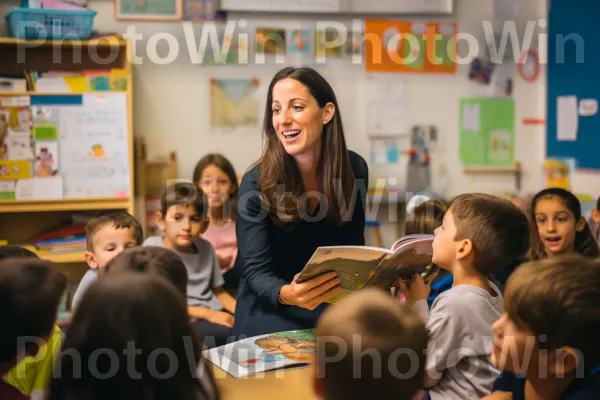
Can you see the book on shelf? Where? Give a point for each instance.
(359, 267)
(264, 353)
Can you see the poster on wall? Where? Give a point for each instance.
(233, 102)
(148, 10)
(486, 131)
(410, 46)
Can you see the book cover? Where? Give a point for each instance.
(362, 266)
(264, 353)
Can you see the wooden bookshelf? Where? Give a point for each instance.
(22, 220)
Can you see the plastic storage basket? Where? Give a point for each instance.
(31, 23)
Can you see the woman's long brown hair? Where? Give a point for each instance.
(277, 169)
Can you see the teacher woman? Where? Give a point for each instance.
(306, 190)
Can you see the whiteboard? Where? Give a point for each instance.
(342, 6)
(309, 6)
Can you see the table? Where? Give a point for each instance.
(288, 384)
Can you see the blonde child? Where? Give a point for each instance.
(30, 293)
(181, 221)
(369, 347)
(546, 342)
(106, 235)
(216, 177)
(557, 226)
(131, 339)
(480, 235)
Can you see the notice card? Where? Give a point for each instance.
(567, 118)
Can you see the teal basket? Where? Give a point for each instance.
(32, 23)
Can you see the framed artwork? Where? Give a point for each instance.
(148, 10)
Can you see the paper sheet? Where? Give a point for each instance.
(471, 117)
(567, 118)
(386, 107)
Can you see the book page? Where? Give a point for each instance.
(354, 265)
(411, 257)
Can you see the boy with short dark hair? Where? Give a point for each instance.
(369, 347)
(547, 340)
(182, 220)
(480, 235)
(30, 293)
(107, 235)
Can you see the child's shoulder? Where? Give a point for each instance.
(464, 298)
(153, 241)
(204, 246)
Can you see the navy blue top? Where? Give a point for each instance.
(270, 256)
(579, 389)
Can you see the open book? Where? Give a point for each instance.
(362, 266)
(264, 353)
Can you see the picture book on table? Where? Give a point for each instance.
(264, 353)
(358, 267)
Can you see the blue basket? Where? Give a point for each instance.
(31, 23)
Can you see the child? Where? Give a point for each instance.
(369, 347)
(31, 376)
(557, 226)
(181, 220)
(216, 177)
(30, 293)
(480, 235)
(547, 340)
(106, 236)
(130, 339)
(425, 218)
(595, 220)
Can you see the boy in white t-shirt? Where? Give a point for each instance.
(480, 235)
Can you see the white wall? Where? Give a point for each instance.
(172, 102)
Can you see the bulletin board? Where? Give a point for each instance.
(71, 146)
(573, 84)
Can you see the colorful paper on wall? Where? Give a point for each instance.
(410, 46)
(487, 131)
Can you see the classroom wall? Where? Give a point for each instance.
(172, 102)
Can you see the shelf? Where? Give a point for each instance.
(17, 94)
(484, 169)
(108, 41)
(14, 206)
(63, 258)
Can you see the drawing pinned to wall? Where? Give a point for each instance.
(232, 51)
(480, 71)
(327, 43)
(558, 172)
(410, 46)
(148, 10)
(202, 10)
(300, 41)
(385, 151)
(270, 41)
(234, 102)
(46, 159)
(385, 105)
(487, 131)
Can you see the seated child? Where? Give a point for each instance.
(595, 220)
(425, 218)
(148, 347)
(30, 293)
(557, 226)
(168, 265)
(369, 347)
(546, 342)
(215, 176)
(480, 234)
(31, 376)
(181, 220)
(106, 236)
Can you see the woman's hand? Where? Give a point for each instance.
(311, 293)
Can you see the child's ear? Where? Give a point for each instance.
(580, 224)
(90, 259)
(464, 249)
(563, 361)
(160, 221)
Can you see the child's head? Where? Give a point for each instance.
(141, 324)
(152, 260)
(596, 213)
(426, 217)
(216, 177)
(557, 226)
(369, 346)
(552, 318)
(30, 293)
(182, 215)
(484, 232)
(12, 251)
(108, 234)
